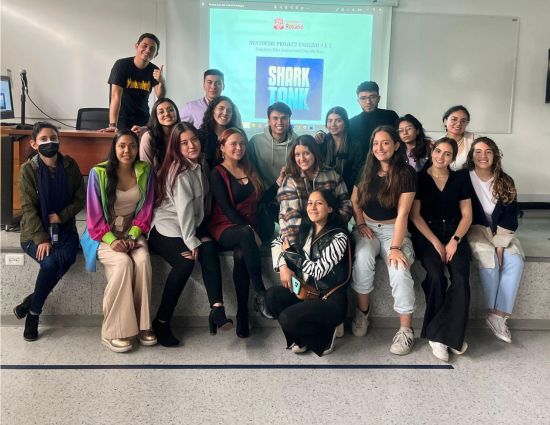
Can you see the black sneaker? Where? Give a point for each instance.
(22, 309)
(31, 327)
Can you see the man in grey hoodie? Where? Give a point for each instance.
(268, 152)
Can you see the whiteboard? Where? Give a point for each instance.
(437, 61)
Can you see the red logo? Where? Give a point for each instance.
(278, 24)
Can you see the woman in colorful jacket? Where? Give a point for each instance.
(52, 193)
(120, 206)
(306, 173)
(492, 236)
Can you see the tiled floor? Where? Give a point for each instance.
(492, 383)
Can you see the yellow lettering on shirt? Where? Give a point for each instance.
(140, 85)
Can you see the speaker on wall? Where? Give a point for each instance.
(548, 80)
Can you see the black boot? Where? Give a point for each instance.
(31, 327)
(243, 328)
(164, 334)
(261, 305)
(218, 319)
(22, 309)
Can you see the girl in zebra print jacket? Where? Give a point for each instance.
(322, 258)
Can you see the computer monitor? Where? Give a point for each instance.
(6, 99)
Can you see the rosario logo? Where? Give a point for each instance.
(278, 24)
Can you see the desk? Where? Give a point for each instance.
(87, 148)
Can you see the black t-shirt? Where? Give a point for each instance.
(361, 127)
(373, 208)
(442, 205)
(137, 85)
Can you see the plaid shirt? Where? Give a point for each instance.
(294, 193)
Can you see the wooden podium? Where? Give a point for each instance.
(87, 148)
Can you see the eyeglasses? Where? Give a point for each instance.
(405, 130)
(371, 98)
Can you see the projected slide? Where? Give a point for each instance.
(310, 60)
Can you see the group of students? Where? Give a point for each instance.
(187, 193)
(128, 198)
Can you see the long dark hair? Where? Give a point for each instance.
(504, 188)
(421, 143)
(156, 129)
(174, 162)
(208, 125)
(244, 161)
(112, 167)
(389, 192)
(334, 219)
(309, 142)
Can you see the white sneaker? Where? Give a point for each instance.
(461, 351)
(499, 327)
(360, 323)
(296, 349)
(439, 350)
(340, 330)
(403, 341)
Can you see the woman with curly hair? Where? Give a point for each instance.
(219, 116)
(152, 147)
(492, 240)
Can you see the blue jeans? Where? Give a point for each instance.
(52, 268)
(501, 286)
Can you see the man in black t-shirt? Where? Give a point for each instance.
(131, 81)
(361, 126)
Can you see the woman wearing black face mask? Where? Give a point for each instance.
(52, 193)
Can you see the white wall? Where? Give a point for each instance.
(68, 48)
(527, 149)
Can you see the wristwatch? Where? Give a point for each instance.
(457, 238)
(132, 237)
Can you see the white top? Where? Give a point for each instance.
(460, 160)
(182, 212)
(484, 192)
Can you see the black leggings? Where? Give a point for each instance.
(170, 249)
(246, 262)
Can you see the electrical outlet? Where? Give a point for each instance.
(14, 259)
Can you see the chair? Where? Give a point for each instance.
(92, 118)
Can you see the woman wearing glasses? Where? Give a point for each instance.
(417, 144)
(455, 121)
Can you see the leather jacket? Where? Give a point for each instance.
(295, 257)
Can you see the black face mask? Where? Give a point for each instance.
(49, 150)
